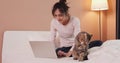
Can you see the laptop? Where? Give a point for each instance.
(43, 49)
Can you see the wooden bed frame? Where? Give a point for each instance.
(117, 19)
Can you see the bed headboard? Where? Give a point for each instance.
(16, 45)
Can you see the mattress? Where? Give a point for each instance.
(16, 49)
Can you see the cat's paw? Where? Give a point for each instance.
(80, 60)
(75, 58)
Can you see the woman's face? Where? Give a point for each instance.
(62, 18)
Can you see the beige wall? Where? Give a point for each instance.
(111, 20)
(36, 15)
(81, 9)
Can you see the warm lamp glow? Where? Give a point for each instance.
(99, 5)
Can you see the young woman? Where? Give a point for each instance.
(67, 27)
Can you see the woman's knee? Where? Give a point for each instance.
(95, 43)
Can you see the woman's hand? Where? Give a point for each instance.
(61, 53)
(69, 54)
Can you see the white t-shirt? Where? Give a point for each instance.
(67, 33)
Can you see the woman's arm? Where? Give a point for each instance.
(76, 25)
(53, 31)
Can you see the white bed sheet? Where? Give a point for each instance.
(109, 52)
(16, 49)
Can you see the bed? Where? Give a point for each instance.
(16, 49)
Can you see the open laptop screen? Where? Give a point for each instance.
(43, 49)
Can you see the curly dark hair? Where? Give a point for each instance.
(62, 6)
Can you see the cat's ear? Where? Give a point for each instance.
(91, 35)
(77, 38)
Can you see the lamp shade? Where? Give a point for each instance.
(99, 5)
